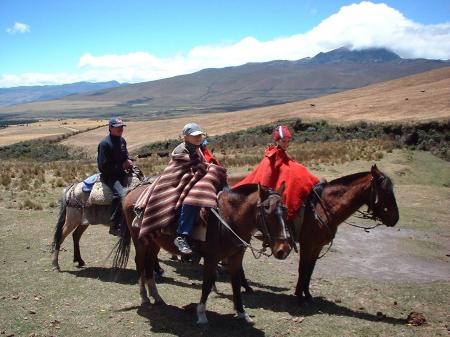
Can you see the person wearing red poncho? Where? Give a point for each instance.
(277, 167)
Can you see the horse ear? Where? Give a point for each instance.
(375, 171)
(282, 187)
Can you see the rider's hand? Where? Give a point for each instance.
(127, 164)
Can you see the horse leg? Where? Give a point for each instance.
(139, 259)
(71, 221)
(244, 283)
(309, 272)
(158, 270)
(236, 272)
(308, 258)
(209, 278)
(76, 235)
(152, 261)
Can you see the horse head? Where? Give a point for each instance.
(382, 202)
(271, 213)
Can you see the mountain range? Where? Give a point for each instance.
(27, 94)
(234, 88)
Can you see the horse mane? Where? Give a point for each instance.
(348, 179)
(238, 194)
(245, 189)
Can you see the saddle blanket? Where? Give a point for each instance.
(99, 192)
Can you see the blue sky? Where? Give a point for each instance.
(54, 42)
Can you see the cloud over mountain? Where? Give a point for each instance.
(357, 26)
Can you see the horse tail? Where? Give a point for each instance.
(121, 249)
(61, 220)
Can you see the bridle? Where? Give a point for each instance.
(368, 215)
(262, 223)
(373, 201)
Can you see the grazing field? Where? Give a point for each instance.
(421, 97)
(366, 285)
(46, 129)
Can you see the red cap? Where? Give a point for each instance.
(281, 132)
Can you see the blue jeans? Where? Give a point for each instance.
(188, 214)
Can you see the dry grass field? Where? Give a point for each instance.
(415, 98)
(425, 96)
(44, 129)
(365, 286)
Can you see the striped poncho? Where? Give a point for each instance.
(184, 180)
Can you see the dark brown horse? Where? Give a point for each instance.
(245, 210)
(338, 200)
(76, 215)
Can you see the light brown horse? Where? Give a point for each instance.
(338, 200)
(76, 215)
(245, 209)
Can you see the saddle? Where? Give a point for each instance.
(311, 201)
(198, 231)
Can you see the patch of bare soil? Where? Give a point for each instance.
(379, 255)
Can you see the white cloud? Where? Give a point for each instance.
(356, 26)
(18, 27)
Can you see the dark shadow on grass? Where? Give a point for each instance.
(195, 272)
(170, 319)
(116, 275)
(289, 303)
(126, 276)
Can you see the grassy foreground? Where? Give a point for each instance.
(366, 285)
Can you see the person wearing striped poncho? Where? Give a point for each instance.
(188, 183)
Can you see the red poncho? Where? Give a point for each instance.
(209, 156)
(277, 166)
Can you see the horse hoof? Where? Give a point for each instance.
(246, 318)
(249, 291)
(160, 302)
(201, 314)
(159, 272)
(56, 268)
(145, 302)
(202, 322)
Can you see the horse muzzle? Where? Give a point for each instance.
(281, 249)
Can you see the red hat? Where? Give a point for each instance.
(281, 132)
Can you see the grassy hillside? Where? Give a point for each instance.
(417, 98)
(235, 88)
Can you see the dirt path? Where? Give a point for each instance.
(381, 255)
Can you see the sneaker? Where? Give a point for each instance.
(182, 245)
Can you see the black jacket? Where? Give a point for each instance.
(112, 153)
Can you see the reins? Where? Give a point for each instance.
(256, 253)
(364, 215)
(323, 223)
(369, 215)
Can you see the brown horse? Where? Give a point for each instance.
(338, 200)
(245, 210)
(76, 215)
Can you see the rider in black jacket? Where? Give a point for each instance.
(112, 162)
